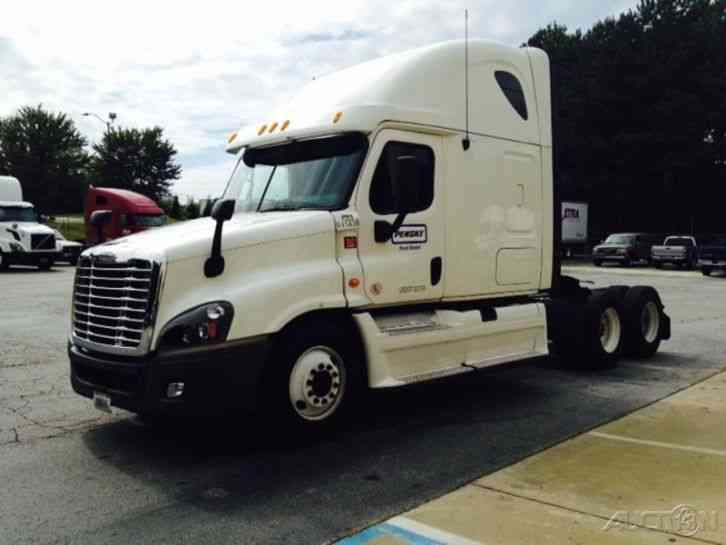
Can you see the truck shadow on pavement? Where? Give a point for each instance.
(410, 444)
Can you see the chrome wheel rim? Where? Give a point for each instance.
(610, 330)
(317, 383)
(650, 321)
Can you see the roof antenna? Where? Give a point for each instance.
(465, 143)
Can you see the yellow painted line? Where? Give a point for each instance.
(646, 442)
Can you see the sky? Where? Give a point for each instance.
(200, 70)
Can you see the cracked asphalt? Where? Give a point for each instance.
(73, 475)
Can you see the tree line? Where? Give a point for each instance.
(639, 116)
(50, 157)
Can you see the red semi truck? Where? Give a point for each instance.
(128, 212)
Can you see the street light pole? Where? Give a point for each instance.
(111, 119)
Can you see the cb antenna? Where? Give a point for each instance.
(465, 143)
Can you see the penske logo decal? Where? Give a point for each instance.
(410, 234)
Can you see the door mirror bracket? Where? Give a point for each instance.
(221, 212)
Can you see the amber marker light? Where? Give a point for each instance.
(285, 125)
(263, 128)
(337, 117)
(273, 127)
(231, 137)
(353, 283)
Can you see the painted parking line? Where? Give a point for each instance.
(648, 443)
(406, 531)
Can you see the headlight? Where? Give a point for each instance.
(15, 247)
(622, 251)
(202, 325)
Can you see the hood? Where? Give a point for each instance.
(193, 238)
(613, 245)
(30, 228)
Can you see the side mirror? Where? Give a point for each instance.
(43, 218)
(221, 212)
(99, 219)
(406, 182)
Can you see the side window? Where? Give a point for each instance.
(383, 198)
(512, 89)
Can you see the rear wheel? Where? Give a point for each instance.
(597, 262)
(706, 271)
(3, 262)
(642, 310)
(599, 345)
(627, 262)
(314, 377)
(46, 265)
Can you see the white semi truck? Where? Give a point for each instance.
(378, 231)
(23, 240)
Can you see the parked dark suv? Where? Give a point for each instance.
(625, 248)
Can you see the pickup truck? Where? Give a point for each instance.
(713, 256)
(677, 249)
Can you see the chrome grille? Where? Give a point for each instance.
(113, 302)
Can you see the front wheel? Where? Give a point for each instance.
(46, 265)
(3, 262)
(597, 262)
(706, 271)
(314, 377)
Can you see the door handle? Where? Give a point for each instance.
(521, 194)
(436, 266)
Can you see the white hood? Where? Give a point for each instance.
(193, 238)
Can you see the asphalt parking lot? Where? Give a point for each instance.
(73, 476)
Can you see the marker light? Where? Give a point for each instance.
(285, 125)
(231, 137)
(174, 389)
(337, 117)
(273, 127)
(262, 129)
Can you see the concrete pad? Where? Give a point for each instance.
(493, 518)
(692, 419)
(628, 481)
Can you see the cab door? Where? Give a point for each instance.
(408, 266)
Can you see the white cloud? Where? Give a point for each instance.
(200, 69)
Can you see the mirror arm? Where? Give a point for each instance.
(384, 231)
(214, 265)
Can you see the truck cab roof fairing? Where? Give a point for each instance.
(423, 86)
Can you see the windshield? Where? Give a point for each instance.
(678, 241)
(619, 239)
(146, 220)
(316, 174)
(18, 213)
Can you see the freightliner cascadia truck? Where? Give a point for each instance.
(380, 230)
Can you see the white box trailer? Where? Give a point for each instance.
(371, 236)
(574, 222)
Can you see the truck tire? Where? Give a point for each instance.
(314, 377)
(642, 309)
(3, 262)
(597, 262)
(46, 265)
(603, 330)
(626, 262)
(706, 271)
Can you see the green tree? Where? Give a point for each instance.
(191, 210)
(138, 160)
(639, 119)
(45, 151)
(175, 211)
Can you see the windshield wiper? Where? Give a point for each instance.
(288, 208)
